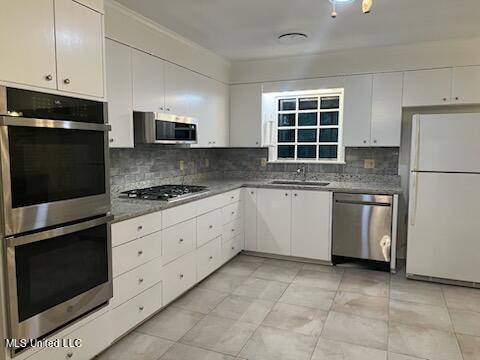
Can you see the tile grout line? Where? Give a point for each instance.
(453, 326)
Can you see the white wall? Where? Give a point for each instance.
(130, 28)
(380, 59)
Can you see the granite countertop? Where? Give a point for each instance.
(124, 208)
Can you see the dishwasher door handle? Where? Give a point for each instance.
(368, 203)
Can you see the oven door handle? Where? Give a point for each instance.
(54, 124)
(13, 241)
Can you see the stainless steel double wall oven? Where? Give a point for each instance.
(55, 209)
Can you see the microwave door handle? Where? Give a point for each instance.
(45, 235)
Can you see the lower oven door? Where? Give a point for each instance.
(56, 276)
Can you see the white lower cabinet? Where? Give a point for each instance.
(233, 229)
(134, 311)
(250, 218)
(132, 283)
(179, 276)
(134, 253)
(274, 221)
(311, 224)
(232, 247)
(209, 258)
(209, 226)
(179, 240)
(232, 212)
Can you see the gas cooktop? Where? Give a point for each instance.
(166, 192)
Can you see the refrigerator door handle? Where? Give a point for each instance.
(413, 198)
(416, 142)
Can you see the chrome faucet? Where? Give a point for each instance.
(302, 169)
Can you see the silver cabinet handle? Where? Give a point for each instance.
(210, 258)
(457, 98)
(444, 99)
(180, 240)
(49, 77)
(140, 252)
(232, 197)
(295, 194)
(364, 141)
(110, 140)
(181, 276)
(66, 81)
(233, 247)
(141, 308)
(233, 230)
(251, 192)
(233, 212)
(374, 141)
(69, 355)
(168, 109)
(140, 227)
(256, 142)
(140, 280)
(210, 226)
(286, 194)
(161, 107)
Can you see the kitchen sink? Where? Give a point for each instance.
(296, 182)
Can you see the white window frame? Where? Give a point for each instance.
(340, 159)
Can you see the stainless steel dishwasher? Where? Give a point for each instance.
(362, 226)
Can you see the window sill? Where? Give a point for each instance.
(337, 162)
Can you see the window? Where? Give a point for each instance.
(308, 127)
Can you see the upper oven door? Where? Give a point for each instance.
(53, 172)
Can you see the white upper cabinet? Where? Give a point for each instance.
(387, 109)
(427, 87)
(466, 85)
(246, 115)
(274, 208)
(96, 5)
(357, 110)
(311, 224)
(148, 82)
(27, 43)
(79, 44)
(178, 90)
(53, 44)
(119, 91)
(221, 114)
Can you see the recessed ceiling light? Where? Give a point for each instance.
(292, 38)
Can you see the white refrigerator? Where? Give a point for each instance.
(444, 203)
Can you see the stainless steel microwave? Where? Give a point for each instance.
(161, 128)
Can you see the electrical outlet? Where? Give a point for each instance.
(207, 163)
(369, 164)
(263, 162)
(182, 165)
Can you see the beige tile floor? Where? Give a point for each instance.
(263, 309)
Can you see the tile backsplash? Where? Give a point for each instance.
(150, 165)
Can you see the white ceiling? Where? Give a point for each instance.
(248, 29)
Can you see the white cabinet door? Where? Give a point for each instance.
(119, 92)
(274, 221)
(208, 258)
(357, 110)
(250, 218)
(246, 115)
(221, 113)
(178, 90)
(311, 224)
(27, 40)
(79, 44)
(203, 111)
(179, 276)
(387, 109)
(427, 87)
(466, 85)
(148, 82)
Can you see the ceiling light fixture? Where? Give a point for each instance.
(366, 6)
(292, 38)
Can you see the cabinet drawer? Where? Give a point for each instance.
(209, 226)
(179, 276)
(232, 196)
(136, 310)
(179, 214)
(137, 252)
(232, 229)
(231, 248)
(209, 204)
(209, 258)
(179, 240)
(232, 212)
(132, 283)
(135, 228)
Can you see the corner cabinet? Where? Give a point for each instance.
(246, 115)
(42, 52)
